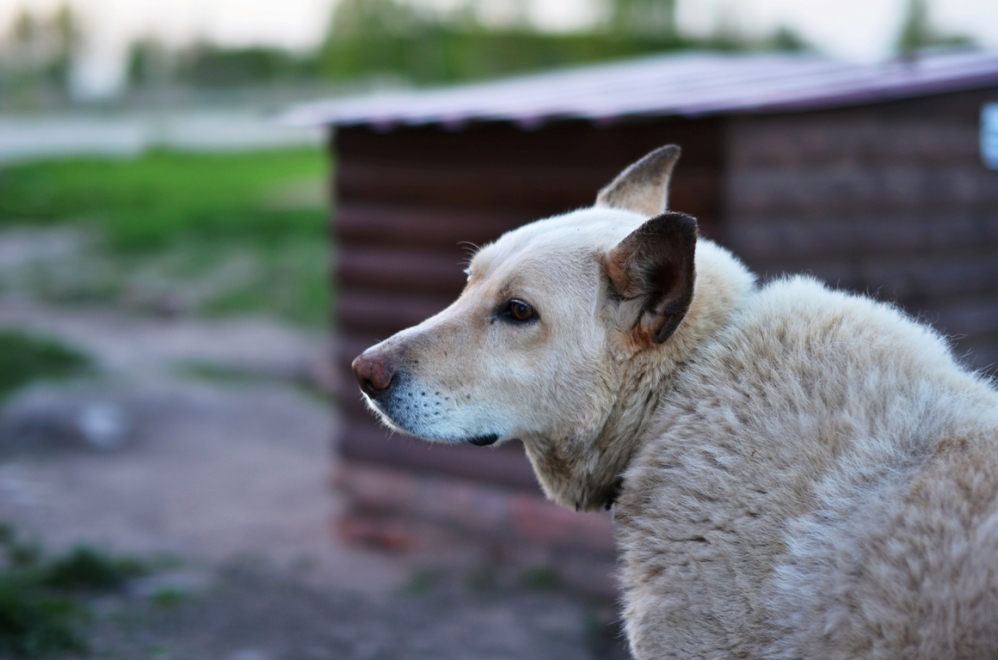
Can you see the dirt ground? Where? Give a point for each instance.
(204, 447)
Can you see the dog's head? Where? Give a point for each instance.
(563, 328)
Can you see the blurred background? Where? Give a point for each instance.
(208, 207)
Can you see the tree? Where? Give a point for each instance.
(360, 19)
(917, 31)
(656, 18)
(44, 48)
(149, 63)
(66, 36)
(25, 29)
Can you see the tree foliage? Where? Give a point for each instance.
(397, 39)
(917, 31)
(43, 46)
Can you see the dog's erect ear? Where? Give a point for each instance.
(652, 271)
(644, 186)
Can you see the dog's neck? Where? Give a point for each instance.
(645, 378)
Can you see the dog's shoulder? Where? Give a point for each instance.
(810, 403)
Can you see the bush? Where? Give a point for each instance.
(41, 614)
(24, 358)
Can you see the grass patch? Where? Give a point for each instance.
(541, 578)
(24, 358)
(289, 278)
(224, 233)
(42, 611)
(146, 202)
(218, 374)
(167, 597)
(483, 580)
(34, 624)
(87, 569)
(423, 581)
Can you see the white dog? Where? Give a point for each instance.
(798, 472)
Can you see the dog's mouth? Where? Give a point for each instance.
(484, 440)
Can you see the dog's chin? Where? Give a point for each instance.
(484, 440)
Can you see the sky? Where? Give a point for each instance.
(861, 30)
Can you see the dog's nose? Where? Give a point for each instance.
(374, 374)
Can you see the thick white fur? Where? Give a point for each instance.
(806, 473)
(820, 483)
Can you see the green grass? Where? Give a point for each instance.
(87, 569)
(34, 624)
(168, 221)
(167, 597)
(43, 613)
(24, 358)
(541, 578)
(146, 202)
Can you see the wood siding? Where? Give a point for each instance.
(412, 203)
(892, 200)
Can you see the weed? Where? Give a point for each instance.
(41, 611)
(35, 624)
(24, 358)
(541, 578)
(483, 580)
(218, 374)
(423, 581)
(167, 597)
(87, 569)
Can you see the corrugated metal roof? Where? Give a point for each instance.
(687, 84)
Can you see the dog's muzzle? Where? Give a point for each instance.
(390, 388)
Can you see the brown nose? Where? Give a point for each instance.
(374, 374)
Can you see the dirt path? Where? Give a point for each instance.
(229, 474)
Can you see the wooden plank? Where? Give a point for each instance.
(910, 280)
(421, 227)
(507, 464)
(534, 190)
(611, 147)
(384, 313)
(806, 142)
(529, 187)
(835, 191)
(974, 317)
(979, 351)
(351, 401)
(933, 278)
(396, 270)
(352, 344)
(960, 231)
(933, 130)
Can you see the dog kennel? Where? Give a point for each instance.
(871, 177)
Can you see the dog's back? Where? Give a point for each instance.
(820, 483)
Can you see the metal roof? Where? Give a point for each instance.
(687, 84)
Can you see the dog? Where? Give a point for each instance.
(795, 472)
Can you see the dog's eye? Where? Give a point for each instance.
(518, 311)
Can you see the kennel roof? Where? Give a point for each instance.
(687, 84)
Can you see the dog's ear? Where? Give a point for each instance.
(652, 272)
(644, 186)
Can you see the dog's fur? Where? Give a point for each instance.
(799, 472)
